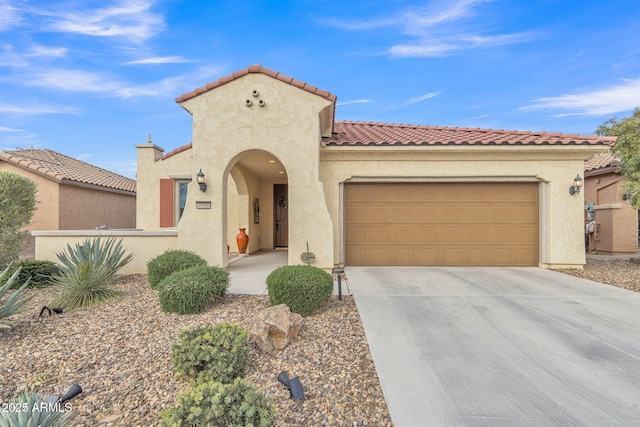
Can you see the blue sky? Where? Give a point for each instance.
(91, 79)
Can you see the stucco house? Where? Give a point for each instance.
(72, 194)
(606, 203)
(272, 160)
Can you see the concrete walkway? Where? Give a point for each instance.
(248, 273)
(501, 346)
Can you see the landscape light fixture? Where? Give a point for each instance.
(73, 391)
(577, 185)
(293, 384)
(201, 182)
(56, 310)
(339, 272)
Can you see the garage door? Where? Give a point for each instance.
(473, 224)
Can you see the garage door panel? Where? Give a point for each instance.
(476, 234)
(441, 224)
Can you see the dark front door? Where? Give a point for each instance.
(281, 226)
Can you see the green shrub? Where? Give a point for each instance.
(303, 288)
(41, 273)
(213, 352)
(31, 412)
(214, 404)
(190, 291)
(17, 204)
(169, 262)
(13, 304)
(88, 272)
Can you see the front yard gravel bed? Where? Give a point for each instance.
(617, 272)
(120, 353)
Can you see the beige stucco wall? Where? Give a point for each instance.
(224, 130)
(143, 245)
(87, 208)
(46, 216)
(560, 226)
(288, 126)
(150, 170)
(617, 220)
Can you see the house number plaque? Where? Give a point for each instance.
(203, 205)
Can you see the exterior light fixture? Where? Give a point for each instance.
(73, 391)
(293, 384)
(577, 185)
(201, 182)
(339, 272)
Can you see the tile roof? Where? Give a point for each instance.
(177, 150)
(349, 133)
(601, 161)
(66, 170)
(256, 69)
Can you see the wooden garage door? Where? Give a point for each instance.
(490, 224)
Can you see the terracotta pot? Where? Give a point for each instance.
(242, 239)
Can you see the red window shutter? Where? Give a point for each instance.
(166, 203)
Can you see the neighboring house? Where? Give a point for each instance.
(73, 195)
(606, 203)
(276, 163)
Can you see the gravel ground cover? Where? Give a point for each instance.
(120, 353)
(620, 273)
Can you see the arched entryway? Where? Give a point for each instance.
(256, 200)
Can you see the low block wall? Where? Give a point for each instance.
(144, 245)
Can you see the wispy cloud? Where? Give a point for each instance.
(46, 51)
(437, 29)
(158, 60)
(482, 116)
(597, 102)
(34, 109)
(9, 16)
(8, 130)
(355, 101)
(421, 98)
(70, 80)
(130, 19)
(361, 25)
(104, 84)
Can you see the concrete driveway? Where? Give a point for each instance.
(465, 346)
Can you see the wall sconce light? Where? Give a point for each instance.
(626, 196)
(201, 182)
(577, 185)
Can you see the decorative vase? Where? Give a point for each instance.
(242, 239)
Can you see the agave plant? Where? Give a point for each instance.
(13, 304)
(29, 410)
(88, 271)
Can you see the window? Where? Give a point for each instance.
(182, 188)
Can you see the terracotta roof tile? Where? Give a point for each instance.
(256, 69)
(177, 150)
(349, 133)
(601, 161)
(64, 168)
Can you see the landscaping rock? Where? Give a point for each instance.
(274, 328)
(120, 353)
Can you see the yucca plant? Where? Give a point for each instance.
(30, 410)
(13, 304)
(88, 272)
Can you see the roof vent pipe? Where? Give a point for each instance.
(248, 103)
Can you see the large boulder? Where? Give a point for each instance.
(274, 327)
